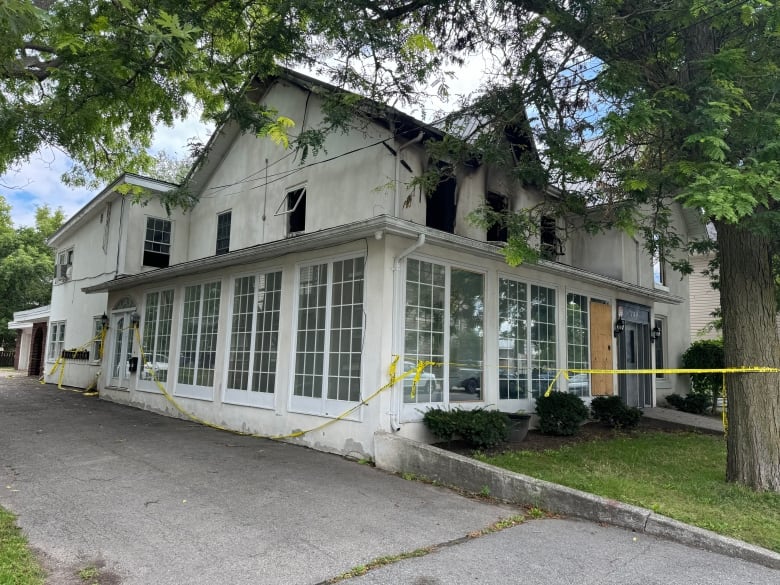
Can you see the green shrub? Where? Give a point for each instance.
(612, 411)
(441, 422)
(480, 428)
(560, 413)
(706, 353)
(693, 403)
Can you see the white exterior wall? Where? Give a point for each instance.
(107, 243)
(383, 338)
(353, 436)
(348, 180)
(134, 218)
(93, 263)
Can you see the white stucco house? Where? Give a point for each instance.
(280, 300)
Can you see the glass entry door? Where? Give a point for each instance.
(121, 340)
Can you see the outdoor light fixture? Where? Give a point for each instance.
(104, 320)
(135, 319)
(655, 333)
(620, 326)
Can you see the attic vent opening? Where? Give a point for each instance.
(551, 245)
(499, 204)
(441, 205)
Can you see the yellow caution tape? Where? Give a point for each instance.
(393, 378)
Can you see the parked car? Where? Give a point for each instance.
(428, 383)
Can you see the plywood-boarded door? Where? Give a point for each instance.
(601, 342)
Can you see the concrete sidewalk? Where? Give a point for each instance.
(704, 423)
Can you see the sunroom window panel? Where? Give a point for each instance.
(346, 331)
(543, 339)
(424, 335)
(158, 319)
(311, 330)
(577, 342)
(513, 340)
(200, 326)
(467, 315)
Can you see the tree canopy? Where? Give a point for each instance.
(26, 264)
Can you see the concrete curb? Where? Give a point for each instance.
(400, 455)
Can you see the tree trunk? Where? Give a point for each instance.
(750, 339)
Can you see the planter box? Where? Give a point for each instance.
(518, 426)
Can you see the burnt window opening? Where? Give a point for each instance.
(296, 210)
(519, 140)
(551, 245)
(441, 207)
(498, 204)
(223, 232)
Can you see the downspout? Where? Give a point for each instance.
(395, 424)
(119, 236)
(397, 201)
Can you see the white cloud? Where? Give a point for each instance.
(38, 181)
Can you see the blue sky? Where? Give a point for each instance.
(38, 182)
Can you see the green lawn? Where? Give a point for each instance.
(680, 475)
(17, 564)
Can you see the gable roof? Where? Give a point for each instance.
(222, 139)
(109, 193)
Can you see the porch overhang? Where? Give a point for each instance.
(378, 226)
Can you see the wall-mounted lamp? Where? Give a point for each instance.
(135, 319)
(655, 333)
(620, 326)
(104, 320)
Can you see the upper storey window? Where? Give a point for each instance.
(64, 268)
(498, 204)
(157, 244)
(296, 210)
(223, 232)
(440, 211)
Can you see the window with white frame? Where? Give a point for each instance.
(157, 242)
(329, 337)
(660, 347)
(156, 339)
(444, 324)
(56, 339)
(64, 269)
(200, 324)
(254, 337)
(513, 357)
(577, 343)
(544, 345)
(527, 344)
(97, 335)
(659, 264)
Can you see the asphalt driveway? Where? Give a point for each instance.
(154, 500)
(160, 500)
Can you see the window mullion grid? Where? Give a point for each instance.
(201, 309)
(327, 331)
(253, 334)
(446, 333)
